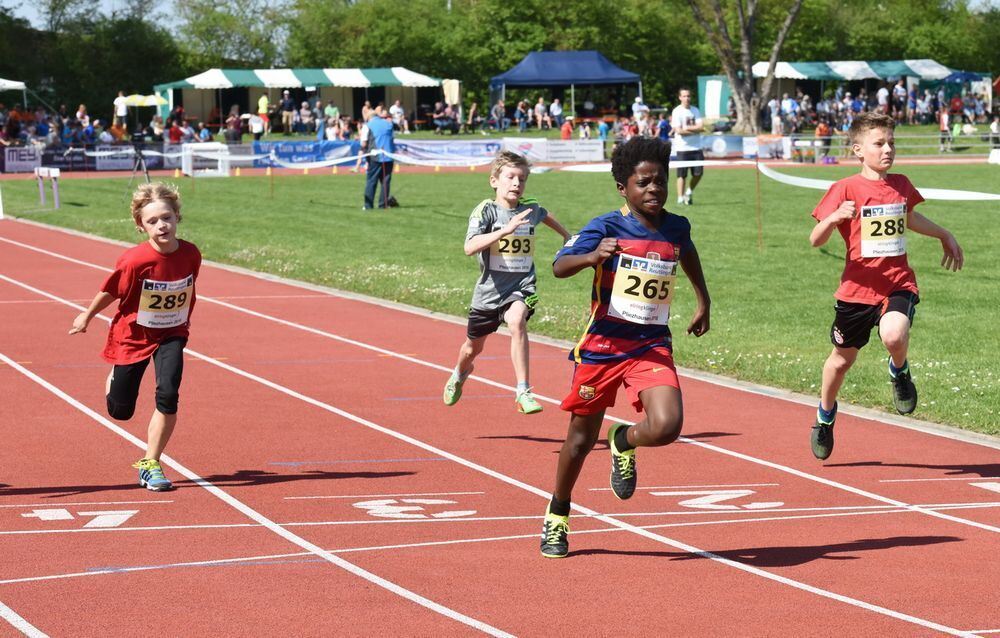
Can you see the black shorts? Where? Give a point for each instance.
(485, 322)
(690, 156)
(168, 361)
(853, 323)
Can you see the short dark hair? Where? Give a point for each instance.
(637, 150)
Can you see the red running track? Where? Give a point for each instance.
(323, 489)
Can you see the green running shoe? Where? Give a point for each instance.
(555, 535)
(822, 440)
(904, 393)
(623, 475)
(526, 403)
(453, 390)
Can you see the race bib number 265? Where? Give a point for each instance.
(165, 304)
(643, 290)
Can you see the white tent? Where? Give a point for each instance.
(11, 85)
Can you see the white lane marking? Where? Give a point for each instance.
(260, 518)
(20, 624)
(689, 487)
(993, 486)
(933, 429)
(961, 478)
(27, 505)
(302, 498)
(534, 490)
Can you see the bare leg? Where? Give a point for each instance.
(467, 353)
(161, 426)
(664, 418)
(580, 440)
(834, 370)
(694, 181)
(516, 319)
(680, 187)
(894, 330)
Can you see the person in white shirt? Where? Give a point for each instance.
(556, 113)
(398, 115)
(687, 125)
(121, 111)
(882, 95)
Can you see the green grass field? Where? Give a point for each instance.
(772, 306)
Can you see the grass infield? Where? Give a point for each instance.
(771, 306)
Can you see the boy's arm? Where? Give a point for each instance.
(479, 243)
(691, 264)
(554, 224)
(953, 259)
(101, 301)
(569, 265)
(823, 229)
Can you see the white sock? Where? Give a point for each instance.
(522, 387)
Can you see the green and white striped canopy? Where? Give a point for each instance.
(855, 70)
(294, 78)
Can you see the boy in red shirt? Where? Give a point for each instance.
(154, 283)
(872, 211)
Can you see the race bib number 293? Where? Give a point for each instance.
(165, 304)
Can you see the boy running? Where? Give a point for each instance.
(872, 210)
(154, 285)
(634, 252)
(502, 233)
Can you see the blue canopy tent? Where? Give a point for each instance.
(562, 68)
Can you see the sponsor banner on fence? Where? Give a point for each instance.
(303, 152)
(546, 150)
(448, 150)
(123, 160)
(21, 159)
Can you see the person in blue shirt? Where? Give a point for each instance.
(380, 138)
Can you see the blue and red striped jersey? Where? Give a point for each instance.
(632, 290)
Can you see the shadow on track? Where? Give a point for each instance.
(984, 470)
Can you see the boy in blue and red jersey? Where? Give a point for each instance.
(634, 252)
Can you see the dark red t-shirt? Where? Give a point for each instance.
(869, 278)
(156, 297)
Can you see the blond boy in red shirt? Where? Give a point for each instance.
(873, 210)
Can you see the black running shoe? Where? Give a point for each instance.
(623, 475)
(904, 393)
(555, 535)
(822, 440)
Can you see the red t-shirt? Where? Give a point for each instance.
(875, 264)
(156, 297)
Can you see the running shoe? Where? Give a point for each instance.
(555, 535)
(623, 475)
(526, 402)
(151, 475)
(453, 390)
(904, 393)
(687, 198)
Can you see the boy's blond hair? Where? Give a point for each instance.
(154, 192)
(868, 122)
(509, 158)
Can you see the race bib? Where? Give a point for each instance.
(643, 290)
(165, 304)
(882, 229)
(515, 252)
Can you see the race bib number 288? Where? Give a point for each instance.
(165, 304)
(882, 229)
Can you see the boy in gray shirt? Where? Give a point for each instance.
(502, 234)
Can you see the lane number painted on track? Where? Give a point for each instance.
(712, 499)
(411, 508)
(100, 519)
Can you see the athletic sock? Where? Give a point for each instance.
(521, 387)
(557, 507)
(893, 370)
(621, 440)
(824, 416)
(458, 375)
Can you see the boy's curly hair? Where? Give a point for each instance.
(637, 150)
(868, 122)
(154, 192)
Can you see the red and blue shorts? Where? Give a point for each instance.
(595, 385)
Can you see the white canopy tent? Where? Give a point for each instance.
(13, 85)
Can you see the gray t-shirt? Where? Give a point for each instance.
(507, 267)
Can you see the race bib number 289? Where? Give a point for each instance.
(165, 304)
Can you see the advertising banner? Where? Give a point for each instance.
(302, 152)
(21, 159)
(448, 150)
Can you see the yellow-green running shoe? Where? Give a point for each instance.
(151, 475)
(453, 390)
(526, 402)
(555, 535)
(623, 475)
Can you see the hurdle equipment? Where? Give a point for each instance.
(52, 174)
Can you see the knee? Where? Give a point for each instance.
(838, 364)
(579, 445)
(166, 401)
(120, 411)
(894, 339)
(472, 347)
(518, 328)
(664, 429)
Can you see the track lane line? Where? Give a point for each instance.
(484, 470)
(19, 623)
(256, 516)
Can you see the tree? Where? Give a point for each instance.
(738, 67)
(251, 31)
